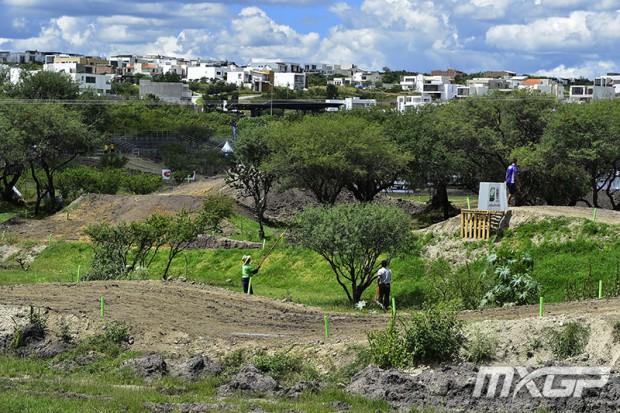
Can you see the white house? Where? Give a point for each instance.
(581, 93)
(239, 76)
(607, 87)
(404, 103)
(290, 80)
(353, 103)
(548, 86)
(208, 70)
(364, 77)
(435, 87)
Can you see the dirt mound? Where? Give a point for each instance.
(451, 389)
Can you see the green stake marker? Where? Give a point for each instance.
(600, 288)
(594, 215)
(326, 320)
(393, 307)
(249, 285)
(102, 307)
(78, 274)
(542, 303)
(26, 214)
(3, 231)
(263, 244)
(468, 204)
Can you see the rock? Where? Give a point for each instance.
(248, 381)
(302, 386)
(196, 368)
(150, 366)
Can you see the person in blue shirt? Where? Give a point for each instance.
(512, 180)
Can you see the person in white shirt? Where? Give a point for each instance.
(384, 278)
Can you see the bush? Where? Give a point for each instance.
(142, 183)
(513, 283)
(433, 335)
(570, 340)
(215, 209)
(113, 160)
(285, 367)
(480, 348)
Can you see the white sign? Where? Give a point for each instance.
(492, 196)
(166, 174)
(558, 381)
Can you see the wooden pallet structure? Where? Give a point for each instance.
(478, 224)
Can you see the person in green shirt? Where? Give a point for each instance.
(246, 273)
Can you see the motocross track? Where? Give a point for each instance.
(187, 318)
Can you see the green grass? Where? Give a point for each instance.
(5, 216)
(33, 385)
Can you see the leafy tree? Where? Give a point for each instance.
(216, 208)
(581, 141)
(250, 173)
(54, 137)
(434, 161)
(328, 153)
(331, 91)
(46, 85)
(351, 238)
(316, 79)
(125, 89)
(183, 229)
(12, 155)
(168, 77)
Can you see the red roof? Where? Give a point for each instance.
(531, 82)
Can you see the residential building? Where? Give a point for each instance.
(548, 86)
(366, 78)
(148, 69)
(480, 86)
(603, 83)
(239, 76)
(408, 82)
(208, 71)
(499, 74)
(171, 92)
(581, 93)
(451, 73)
(293, 81)
(353, 103)
(276, 66)
(404, 103)
(435, 87)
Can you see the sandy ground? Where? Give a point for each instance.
(186, 318)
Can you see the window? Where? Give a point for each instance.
(90, 79)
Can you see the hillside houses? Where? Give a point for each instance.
(265, 75)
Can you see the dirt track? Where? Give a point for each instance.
(184, 318)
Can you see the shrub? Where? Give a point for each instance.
(570, 340)
(279, 365)
(513, 283)
(142, 183)
(387, 348)
(215, 209)
(480, 347)
(109, 181)
(113, 160)
(435, 334)
(432, 335)
(35, 329)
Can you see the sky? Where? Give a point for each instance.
(562, 38)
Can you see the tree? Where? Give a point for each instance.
(583, 139)
(182, 230)
(487, 129)
(53, 137)
(250, 173)
(325, 154)
(434, 162)
(46, 85)
(12, 155)
(352, 237)
(331, 91)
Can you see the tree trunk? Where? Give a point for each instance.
(440, 199)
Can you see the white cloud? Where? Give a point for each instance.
(590, 70)
(484, 9)
(551, 34)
